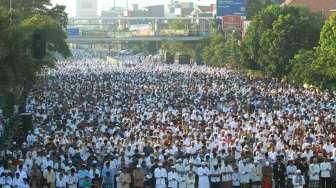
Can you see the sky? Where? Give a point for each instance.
(107, 4)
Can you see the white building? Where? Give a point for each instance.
(86, 8)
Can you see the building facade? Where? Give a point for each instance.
(86, 8)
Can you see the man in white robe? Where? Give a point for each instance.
(298, 180)
(290, 171)
(314, 174)
(227, 174)
(160, 175)
(325, 168)
(215, 176)
(182, 180)
(244, 171)
(61, 180)
(72, 179)
(173, 178)
(190, 179)
(18, 181)
(203, 176)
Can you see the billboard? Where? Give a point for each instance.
(73, 32)
(231, 7)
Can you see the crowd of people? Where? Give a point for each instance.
(176, 126)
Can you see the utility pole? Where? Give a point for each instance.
(127, 6)
(11, 11)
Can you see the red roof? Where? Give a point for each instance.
(324, 6)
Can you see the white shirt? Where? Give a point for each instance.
(291, 170)
(160, 176)
(244, 171)
(215, 175)
(235, 179)
(18, 183)
(325, 168)
(71, 180)
(172, 179)
(227, 172)
(314, 171)
(296, 181)
(61, 182)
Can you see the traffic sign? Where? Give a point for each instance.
(74, 32)
(231, 7)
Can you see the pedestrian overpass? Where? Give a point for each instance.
(107, 30)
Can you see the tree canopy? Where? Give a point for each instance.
(276, 34)
(17, 66)
(221, 49)
(324, 67)
(254, 6)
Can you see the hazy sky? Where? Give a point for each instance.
(106, 4)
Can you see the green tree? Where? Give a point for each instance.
(146, 47)
(324, 68)
(301, 69)
(254, 6)
(17, 66)
(221, 49)
(276, 34)
(55, 35)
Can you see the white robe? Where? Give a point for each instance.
(18, 183)
(72, 181)
(244, 171)
(203, 177)
(295, 182)
(314, 172)
(182, 181)
(160, 176)
(61, 182)
(227, 172)
(190, 181)
(325, 168)
(291, 170)
(172, 179)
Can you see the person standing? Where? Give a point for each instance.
(17, 181)
(290, 170)
(325, 167)
(203, 176)
(279, 173)
(50, 176)
(97, 182)
(304, 167)
(190, 180)
(108, 181)
(182, 177)
(256, 175)
(314, 174)
(333, 172)
(215, 176)
(72, 179)
(227, 175)
(160, 175)
(267, 176)
(138, 177)
(61, 180)
(35, 177)
(298, 180)
(125, 178)
(172, 178)
(244, 171)
(235, 178)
